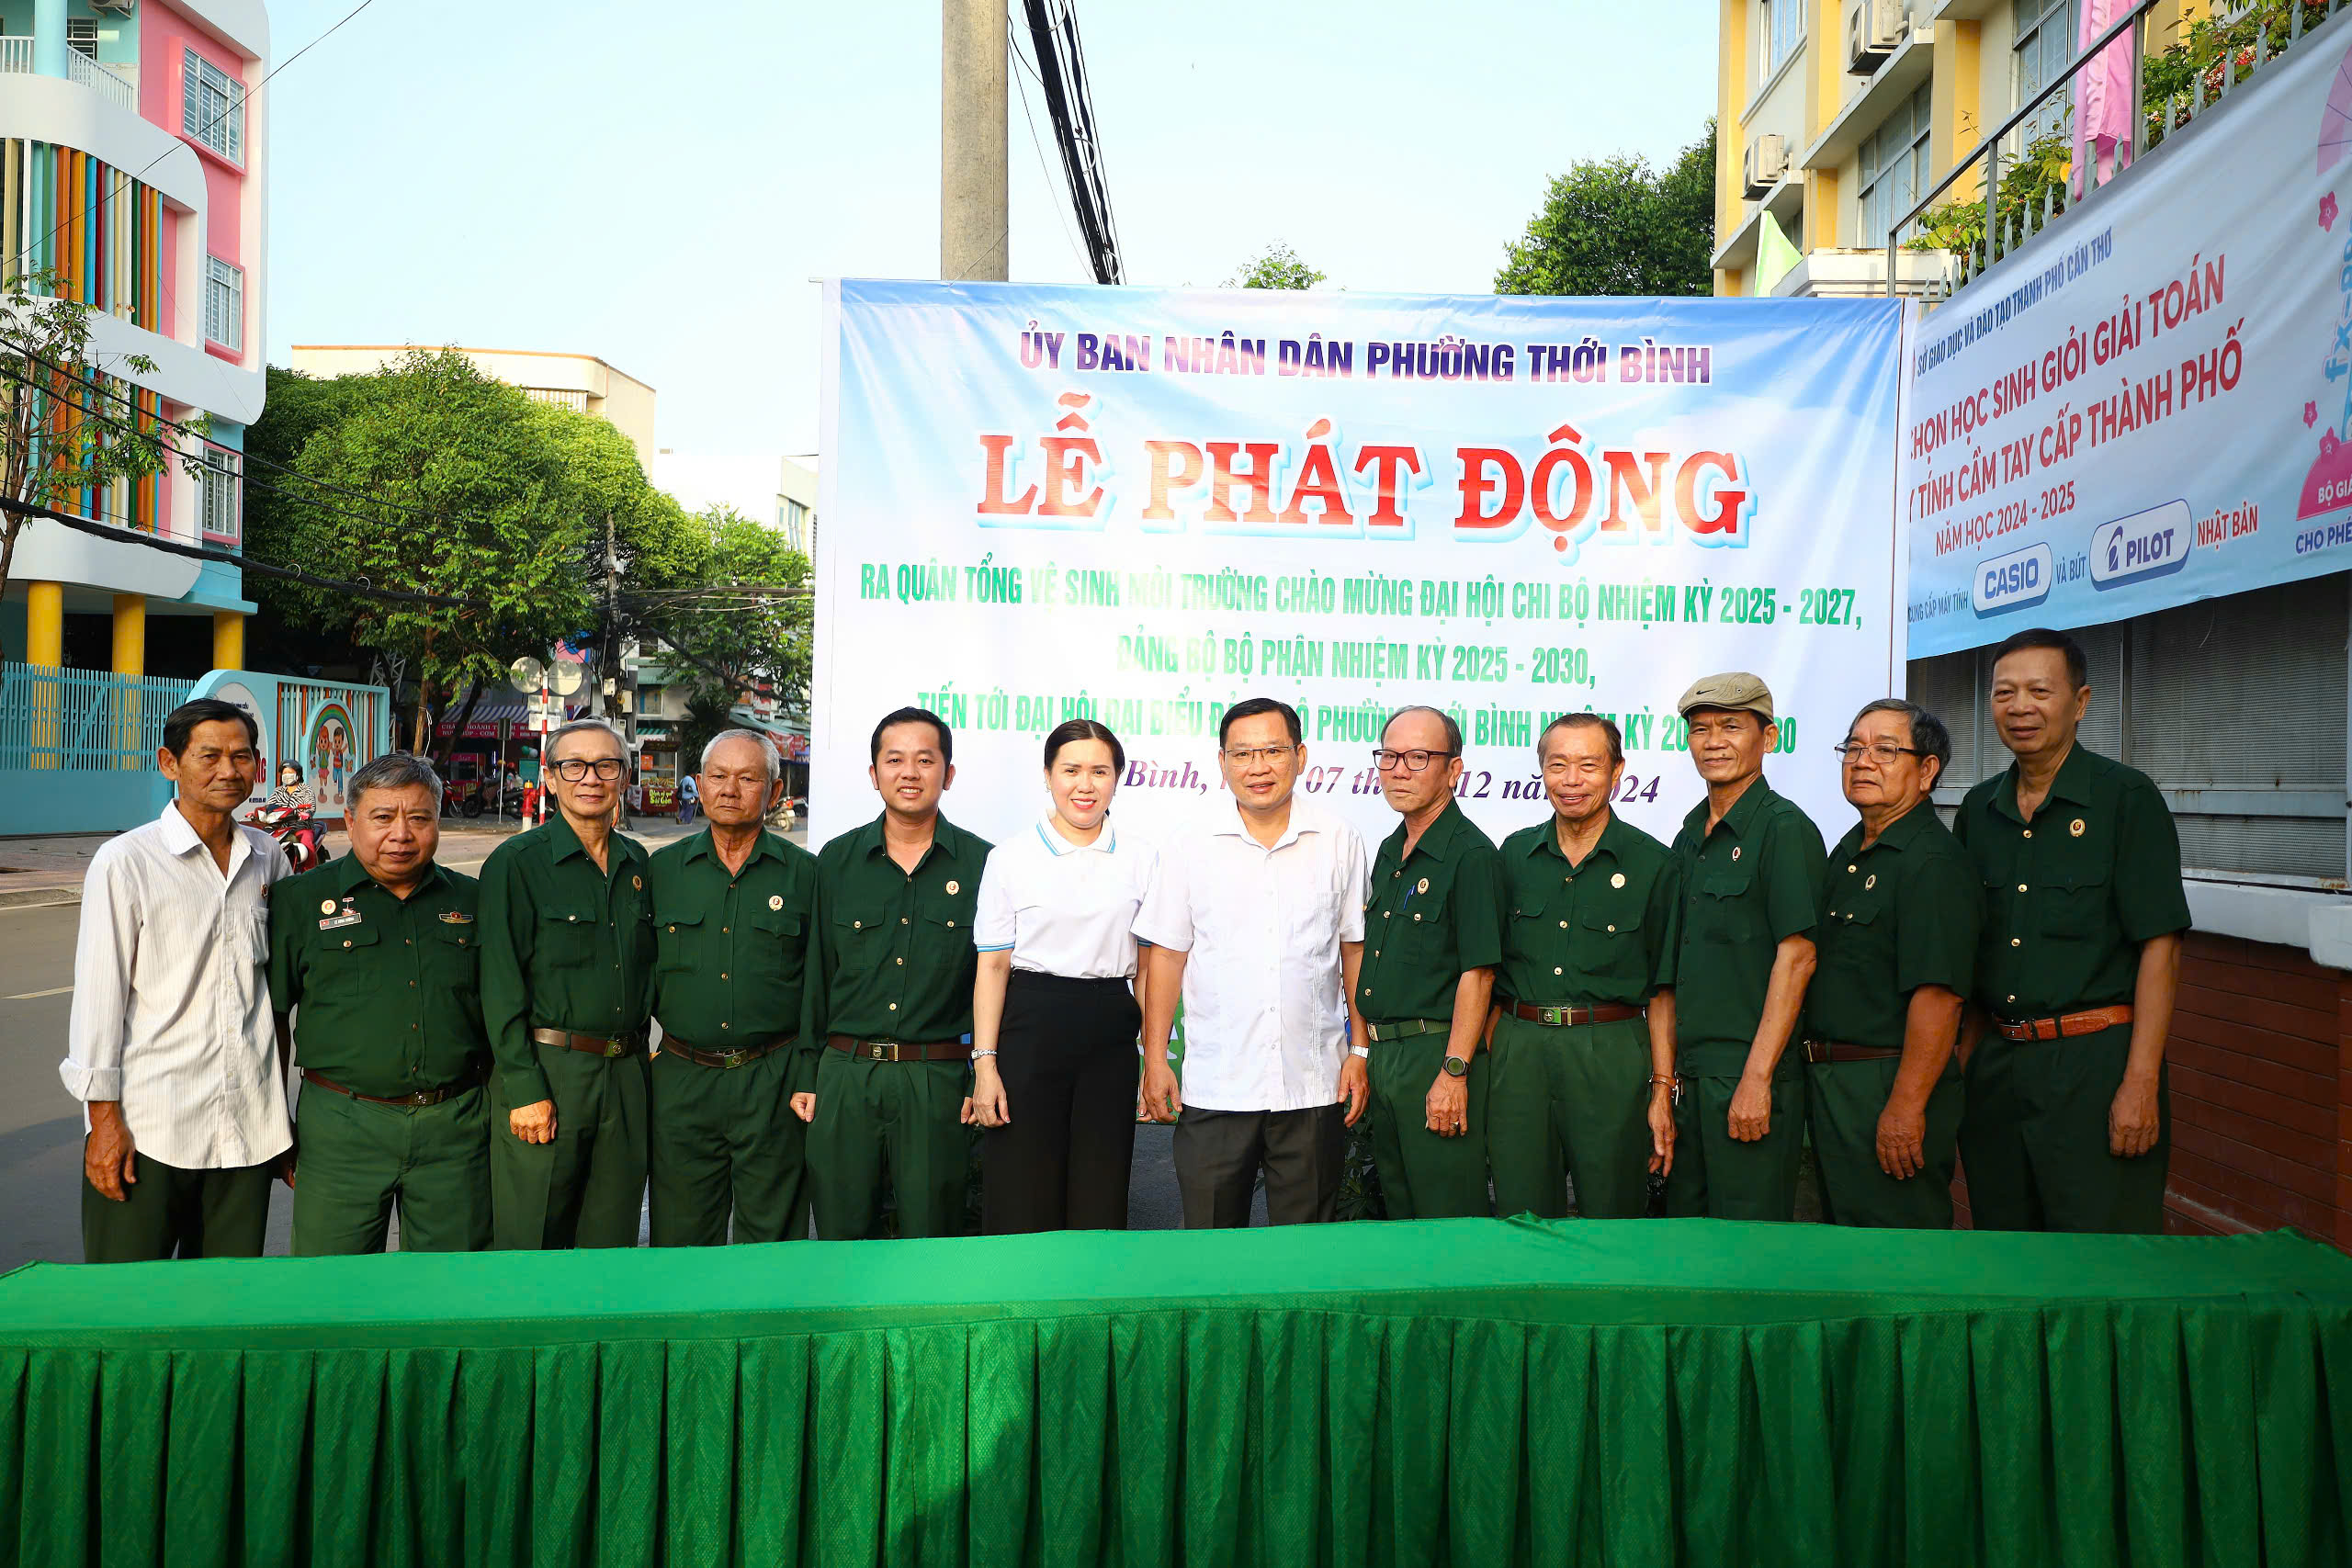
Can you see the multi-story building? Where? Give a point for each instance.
(133, 166)
(1833, 117)
(765, 486)
(580, 382)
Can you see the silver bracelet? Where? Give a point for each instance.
(978, 1054)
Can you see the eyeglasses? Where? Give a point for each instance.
(1250, 756)
(1883, 753)
(571, 770)
(1415, 761)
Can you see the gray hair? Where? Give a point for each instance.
(757, 737)
(1928, 736)
(1446, 720)
(582, 727)
(394, 770)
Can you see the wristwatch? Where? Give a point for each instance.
(1358, 1050)
(1456, 1066)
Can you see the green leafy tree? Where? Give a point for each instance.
(1277, 267)
(66, 428)
(471, 498)
(1616, 226)
(743, 621)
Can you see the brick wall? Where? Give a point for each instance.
(2261, 1064)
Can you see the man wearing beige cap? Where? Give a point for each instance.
(1752, 868)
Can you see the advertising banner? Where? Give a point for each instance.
(2151, 402)
(1143, 505)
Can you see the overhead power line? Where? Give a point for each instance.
(1060, 70)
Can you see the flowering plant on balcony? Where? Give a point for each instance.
(2209, 50)
(1959, 225)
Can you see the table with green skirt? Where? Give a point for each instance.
(1463, 1392)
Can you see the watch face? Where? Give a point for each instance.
(1456, 1066)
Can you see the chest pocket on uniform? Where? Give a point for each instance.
(1612, 929)
(567, 935)
(677, 939)
(459, 952)
(1719, 910)
(860, 938)
(1425, 919)
(352, 944)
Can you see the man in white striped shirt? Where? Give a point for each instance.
(172, 1048)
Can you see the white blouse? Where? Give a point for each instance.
(1065, 908)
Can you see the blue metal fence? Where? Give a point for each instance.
(83, 721)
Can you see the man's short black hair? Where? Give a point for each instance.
(1606, 725)
(913, 715)
(1453, 729)
(1930, 737)
(1250, 707)
(2078, 668)
(179, 724)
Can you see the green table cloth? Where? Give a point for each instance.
(1463, 1392)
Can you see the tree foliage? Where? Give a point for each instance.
(66, 429)
(1277, 267)
(1617, 226)
(742, 622)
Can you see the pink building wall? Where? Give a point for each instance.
(166, 35)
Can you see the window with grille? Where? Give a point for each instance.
(224, 303)
(212, 107)
(2235, 706)
(81, 35)
(2039, 46)
(220, 488)
(1893, 168)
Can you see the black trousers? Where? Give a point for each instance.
(1067, 1053)
(1219, 1152)
(171, 1213)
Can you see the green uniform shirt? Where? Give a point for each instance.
(1602, 933)
(2070, 896)
(1431, 915)
(386, 991)
(1746, 886)
(564, 946)
(1899, 915)
(731, 949)
(893, 959)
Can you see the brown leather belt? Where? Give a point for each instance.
(418, 1097)
(1818, 1050)
(1568, 1018)
(590, 1044)
(1405, 1028)
(739, 1056)
(2091, 1021)
(901, 1051)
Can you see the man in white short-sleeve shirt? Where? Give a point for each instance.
(172, 1048)
(1257, 915)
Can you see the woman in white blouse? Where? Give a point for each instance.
(1055, 1015)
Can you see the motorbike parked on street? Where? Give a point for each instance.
(301, 837)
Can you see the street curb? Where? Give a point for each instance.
(39, 897)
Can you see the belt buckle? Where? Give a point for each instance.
(1556, 1017)
(881, 1052)
(731, 1060)
(420, 1098)
(612, 1048)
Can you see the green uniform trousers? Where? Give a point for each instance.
(586, 1189)
(1565, 1102)
(1423, 1176)
(902, 1116)
(2033, 1139)
(355, 1159)
(1716, 1175)
(1843, 1100)
(170, 1212)
(725, 1140)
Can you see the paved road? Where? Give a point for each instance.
(40, 1127)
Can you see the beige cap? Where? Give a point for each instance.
(1732, 690)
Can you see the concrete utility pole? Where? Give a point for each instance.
(973, 221)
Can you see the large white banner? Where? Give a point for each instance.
(2151, 402)
(1143, 505)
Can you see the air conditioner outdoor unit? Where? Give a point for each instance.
(1874, 31)
(121, 7)
(1762, 165)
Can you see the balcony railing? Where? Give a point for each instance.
(83, 721)
(117, 90)
(16, 58)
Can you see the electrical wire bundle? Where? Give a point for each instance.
(1060, 69)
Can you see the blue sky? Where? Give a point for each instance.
(655, 184)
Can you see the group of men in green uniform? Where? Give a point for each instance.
(1581, 1003)
(1587, 1004)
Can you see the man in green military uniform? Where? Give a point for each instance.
(1432, 936)
(889, 996)
(1752, 864)
(567, 955)
(731, 933)
(1897, 951)
(1582, 1075)
(379, 957)
(2067, 1126)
